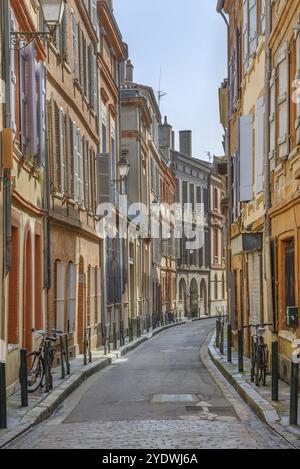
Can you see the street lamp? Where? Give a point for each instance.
(124, 168)
(52, 11)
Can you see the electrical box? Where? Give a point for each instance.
(292, 314)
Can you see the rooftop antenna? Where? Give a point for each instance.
(160, 93)
(208, 153)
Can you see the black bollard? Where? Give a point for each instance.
(229, 343)
(115, 338)
(3, 412)
(222, 338)
(241, 350)
(62, 364)
(294, 394)
(23, 378)
(275, 374)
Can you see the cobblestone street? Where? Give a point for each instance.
(160, 396)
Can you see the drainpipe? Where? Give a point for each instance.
(230, 314)
(267, 185)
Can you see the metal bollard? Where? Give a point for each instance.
(222, 338)
(275, 374)
(229, 343)
(294, 394)
(23, 378)
(90, 345)
(115, 338)
(130, 331)
(62, 365)
(218, 333)
(3, 411)
(67, 355)
(122, 338)
(241, 350)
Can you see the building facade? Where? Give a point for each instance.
(193, 264)
(218, 286)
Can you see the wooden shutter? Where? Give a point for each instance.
(12, 87)
(75, 161)
(79, 167)
(104, 179)
(94, 13)
(99, 295)
(31, 103)
(60, 296)
(272, 119)
(62, 151)
(118, 272)
(93, 186)
(22, 77)
(64, 36)
(85, 146)
(41, 114)
(246, 158)
(282, 102)
(53, 144)
(259, 145)
(69, 154)
(297, 78)
(75, 47)
(72, 289)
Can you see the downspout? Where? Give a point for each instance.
(230, 314)
(7, 199)
(267, 185)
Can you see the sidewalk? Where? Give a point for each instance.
(274, 414)
(42, 405)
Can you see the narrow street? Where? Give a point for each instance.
(160, 396)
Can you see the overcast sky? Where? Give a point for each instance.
(186, 43)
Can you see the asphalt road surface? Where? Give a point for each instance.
(160, 396)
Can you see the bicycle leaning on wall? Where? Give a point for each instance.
(259, 355)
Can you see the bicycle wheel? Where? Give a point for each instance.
(35, 371)
(253, 361)
(264, 365)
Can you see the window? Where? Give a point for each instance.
(216, 246)
(99, 294)
(216, 200)
(38, 287)
(104, 130)
(216, 287)
(92, 297)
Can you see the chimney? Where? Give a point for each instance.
(165, 138)
(129, 71)
(185, 137)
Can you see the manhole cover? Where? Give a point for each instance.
(167, 398)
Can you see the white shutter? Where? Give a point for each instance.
(69, 154)
(253, 20)
(92, 296)
(246, 158)
(283, 105)
(79, 167)
(72, 288)
(259, 145)
(60, 296)
(94, 13)
(297, 83)
(272, 120)
(62, 152)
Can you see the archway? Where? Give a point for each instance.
(27, 295)
(194, 299)
(183, 296)
(203, 297)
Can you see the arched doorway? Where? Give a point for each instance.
(194, 299)
(183, 297)
(27, 295)
(81, 306)
(203, 297)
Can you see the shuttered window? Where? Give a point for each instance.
(12, 85)
(282, 102)
(41, 114)
(62, 151)
(53, 143)
(60, 296)
(253, 23)
(246, 35)
(246, 158)
(85, 146)
(297, 92)
(79, 166)
(259, 144)
(272, 119)
(92, 296)
(75, 47)
(71, 298)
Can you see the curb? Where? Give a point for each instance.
(260, 406)
(46, 407)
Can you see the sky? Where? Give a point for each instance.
(185, 44)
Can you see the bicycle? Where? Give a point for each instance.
(259, 355)
(40, 361)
